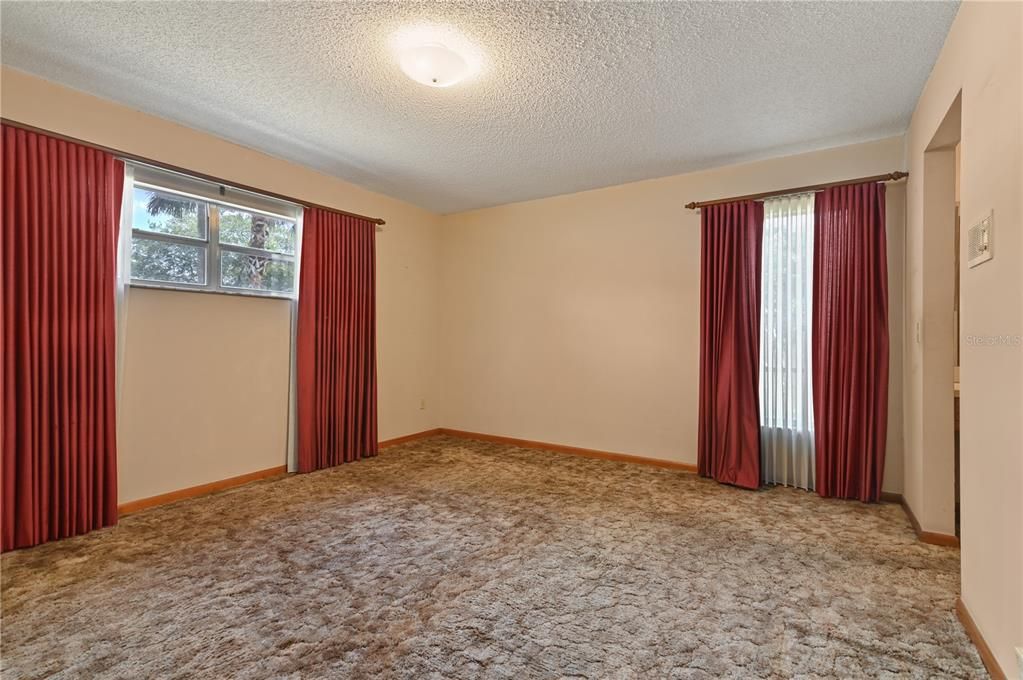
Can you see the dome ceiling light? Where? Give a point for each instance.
(433, 64)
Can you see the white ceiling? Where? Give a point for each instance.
(568, 95)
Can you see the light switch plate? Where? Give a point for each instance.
(981, 241)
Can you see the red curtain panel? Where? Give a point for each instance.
(336, 351)
(729, 439)
(850, 340)
(61, 208)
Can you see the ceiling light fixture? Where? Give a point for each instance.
(434, 65)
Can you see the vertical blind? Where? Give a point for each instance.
(786, 412)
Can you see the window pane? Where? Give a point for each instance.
(255, 230)
(255, 272)
(167, 213)
(164, 261)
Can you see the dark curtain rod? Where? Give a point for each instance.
(185, 171)
(890, 177)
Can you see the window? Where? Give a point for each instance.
(786, 304)
(185, 235)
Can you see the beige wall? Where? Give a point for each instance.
(575, 319)
(176, 431)
(983, 59)
(202, 400)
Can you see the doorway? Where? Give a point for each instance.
(937, 332)
(956, 302)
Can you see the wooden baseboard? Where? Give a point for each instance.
(212, 487)
(889, 497)
(201, 490)
(220, 485)
(928, 536)
(986, 655)
(574, 450)
(409, 438)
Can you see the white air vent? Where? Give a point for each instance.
(981, 245)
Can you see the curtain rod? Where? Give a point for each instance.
(890, 177)
(174, 168)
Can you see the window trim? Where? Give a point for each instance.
(212, 247)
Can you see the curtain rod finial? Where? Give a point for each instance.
(691, 205)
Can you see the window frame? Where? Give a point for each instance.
(212, 248)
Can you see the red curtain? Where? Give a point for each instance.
(336, 351)
(729, 439)
(850, 340)
(61, 208)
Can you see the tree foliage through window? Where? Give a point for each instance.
(187, 227)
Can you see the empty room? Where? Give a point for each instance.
(499, 339)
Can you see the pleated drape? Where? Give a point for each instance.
(786, 394)
(61, 207)
(336, 400)
(730, 262)
(850, 340)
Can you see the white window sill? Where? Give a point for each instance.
(196, 289)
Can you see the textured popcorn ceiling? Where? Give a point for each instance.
(566, 96)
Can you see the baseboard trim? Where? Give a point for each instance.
(213, 487)
(231, 482)
(200, 490)
(573, 450)
(986, 655)
(931, 537)
(425, 434)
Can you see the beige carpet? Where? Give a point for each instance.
(455, 559)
